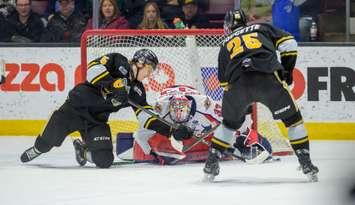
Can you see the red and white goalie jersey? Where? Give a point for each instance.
(179, 105)
(201, 115)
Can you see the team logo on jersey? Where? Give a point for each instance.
(158, 108)
(119, 83)
(104, 60)
(207, 103)
(123, 70)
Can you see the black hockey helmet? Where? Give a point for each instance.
(146, 56)
(234, 19)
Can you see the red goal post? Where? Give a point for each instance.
(186, 57)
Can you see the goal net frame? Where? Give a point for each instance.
(193, 42)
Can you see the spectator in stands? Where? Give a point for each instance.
(171, 9)
(25, 26)
(151, 17)
(65, 25)
(192, 17)
(257, 12)
(5, 35)
(7, 7)
(134, 10)
(110, 16)
(286, 15)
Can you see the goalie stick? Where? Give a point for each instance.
(200, 139)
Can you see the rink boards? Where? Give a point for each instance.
(40, 78)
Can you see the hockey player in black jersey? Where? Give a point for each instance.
(111, 81)
(249, 71)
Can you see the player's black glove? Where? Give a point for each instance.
(286, 76)
(119, 93)
(182, 133)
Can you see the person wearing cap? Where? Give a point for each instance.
(193, 17)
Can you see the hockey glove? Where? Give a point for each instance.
(286, 76)
(182, 133)
(119, 93)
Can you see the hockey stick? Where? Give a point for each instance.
(173, 125)
(200, 139)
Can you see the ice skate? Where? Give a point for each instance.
(30, 154)
(306, 165)
(211, 168)
(80, 151)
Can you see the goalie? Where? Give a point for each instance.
(196, 115)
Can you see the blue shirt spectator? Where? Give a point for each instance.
(286, 15)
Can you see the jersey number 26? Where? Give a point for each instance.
(235, 45)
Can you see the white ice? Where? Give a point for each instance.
(55, 178)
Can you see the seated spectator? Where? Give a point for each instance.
(151, 17)
(171, 9)
(134, 11)
(64, 25)
(192, 17)
(7, 7)
(110, 16)
(5, 35)
(25, 26)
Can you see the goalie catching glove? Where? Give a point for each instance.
(182, 133)
(119, 93)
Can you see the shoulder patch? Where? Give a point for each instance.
(123, 70)
(119, 83)
(104, 60)
(207, 103)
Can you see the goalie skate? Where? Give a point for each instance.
(80, 151)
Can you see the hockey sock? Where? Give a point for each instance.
(302, 143)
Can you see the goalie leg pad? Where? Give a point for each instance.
(161, 145)
(124, 145)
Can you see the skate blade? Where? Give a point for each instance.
(208, 178)
(312, 177)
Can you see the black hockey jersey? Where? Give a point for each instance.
(96, 91)
(92, 99)
(253, 48)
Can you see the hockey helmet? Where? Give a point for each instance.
(146, 56)
(180, 108)
(234, 19)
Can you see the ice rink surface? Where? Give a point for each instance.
(55, 178)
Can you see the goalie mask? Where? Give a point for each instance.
(234, 19)
(180, 108)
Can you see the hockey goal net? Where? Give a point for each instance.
(186, 57)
